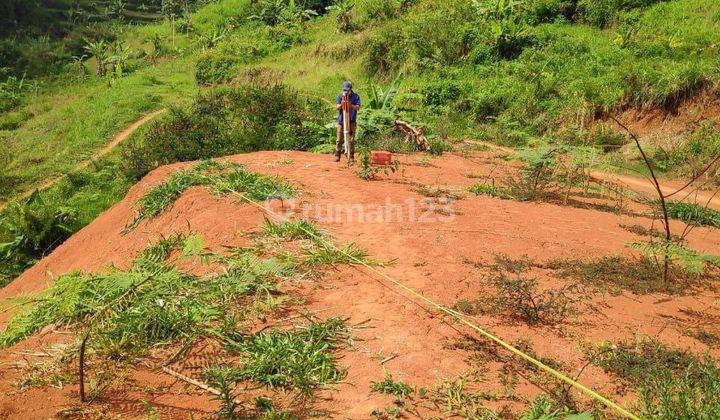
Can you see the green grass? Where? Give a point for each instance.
(220, 178)
(69, 125)
(302, 358)
(693, 214)
(635, 361)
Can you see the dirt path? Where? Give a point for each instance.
(119, 137)
(641, 185)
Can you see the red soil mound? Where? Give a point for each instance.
(435, 250)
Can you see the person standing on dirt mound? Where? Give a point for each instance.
(348, 103)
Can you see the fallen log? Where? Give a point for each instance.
(415, 134)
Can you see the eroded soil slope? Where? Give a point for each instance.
(441, 249)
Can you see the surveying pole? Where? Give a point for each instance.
(345, 106)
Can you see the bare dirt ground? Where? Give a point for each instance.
(439, 251)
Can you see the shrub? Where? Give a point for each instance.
(379, 10)
(693, 214)
(225, 122)
(386, 52)
(487, 104)
(546, 11)
(213, 68)
(520, 298)
(444, 92)
(31, 229)
(437, 147)
(598, 13)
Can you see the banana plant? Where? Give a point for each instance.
(381, 99)
(99, 50)
(344, 9)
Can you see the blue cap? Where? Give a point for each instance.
(347, 86)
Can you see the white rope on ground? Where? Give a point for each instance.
(460, 317)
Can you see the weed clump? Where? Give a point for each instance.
(639, 275)
(291, 230)
(672, 383)
(518, 296)
(389, 386)
(302, 358)
(492, 190)
(454, 398)
(221, 178)
(330, 255)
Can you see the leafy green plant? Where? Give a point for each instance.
(302, 358)
(130, 311)
(100, 51)
(544, 408)
(390, 386)
(488, 189)
(453, 398)
(344, 14)
(11, 92)
(223, 378)
(32, 228)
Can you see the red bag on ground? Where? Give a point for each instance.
(380, 158)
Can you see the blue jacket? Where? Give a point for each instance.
(355, 100)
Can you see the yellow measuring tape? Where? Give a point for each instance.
(460, 317)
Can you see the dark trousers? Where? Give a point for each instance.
(341, 140)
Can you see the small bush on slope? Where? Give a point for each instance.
(225, 122)
(32, 228)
